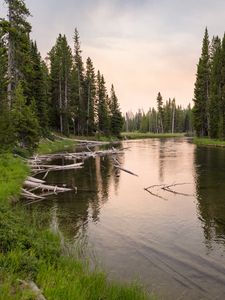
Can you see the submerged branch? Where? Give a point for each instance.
(166, 188)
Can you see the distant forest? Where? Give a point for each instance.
(61, 93)
(167, 118)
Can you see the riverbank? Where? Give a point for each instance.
(148, 135)
(208, 142)
(30, 251)
(48, 146)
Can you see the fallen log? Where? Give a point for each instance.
(33, 287)
(35, 179)
(28, 195)
(125, 170)
(57, 167)
(79, 155)
(45, 187)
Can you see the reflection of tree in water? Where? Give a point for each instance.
(75, 210)
(162, 150)
(210, 183)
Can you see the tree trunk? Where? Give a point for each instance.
(10, 60)
(60, 106)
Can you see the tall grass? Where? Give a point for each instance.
(12, 174)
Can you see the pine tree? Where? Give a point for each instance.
(79, 71)
(61, 68)
(6, 128)
(37, 87)
(24, 121)
(102, 108)
(90, 97)
(115, 114)
(215, 88)
(17, 31)
(201, 92)
(160, 112)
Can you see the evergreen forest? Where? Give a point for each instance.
(167, 118)
(61, 93)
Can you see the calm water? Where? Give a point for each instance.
(173, 243)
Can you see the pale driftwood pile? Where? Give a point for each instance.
(41, 164)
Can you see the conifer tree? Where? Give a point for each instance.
(160, 112)
(25, 122)
(201, 92)
(221, 126)
(90, 96)
(79, 71)
(215, 88)
(6, 128)
(17, 30)
(37, 87)
(115, 114)
(61, 68)
(102, 107)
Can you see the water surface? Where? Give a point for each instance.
(173, 242)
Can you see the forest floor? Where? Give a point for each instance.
(148, 135)
(208, 142)
(30, 254)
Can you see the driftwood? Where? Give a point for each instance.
(27, 194)
(38, 165)
(168, 189)
(165, 188)
(125, 170)
(35, 161)
(45, 187)
(117, 165)
(148, 189)
(33, 287)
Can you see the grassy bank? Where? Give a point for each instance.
(208, 142)
(29, 251)
(48, 146)
(148, 135)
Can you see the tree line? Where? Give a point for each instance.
(62, 93)
(209, 92)
(167, 118)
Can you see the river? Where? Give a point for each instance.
(172, 240)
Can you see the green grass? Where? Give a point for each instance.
(147, 135)
(209, 142)
(29, 251)
(12, 174)
(46, 147)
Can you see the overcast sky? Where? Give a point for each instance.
(142, 46)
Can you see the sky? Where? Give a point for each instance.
(141, 46)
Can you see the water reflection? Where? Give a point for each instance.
(71, 212)
(210, 179)
(137, 235)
